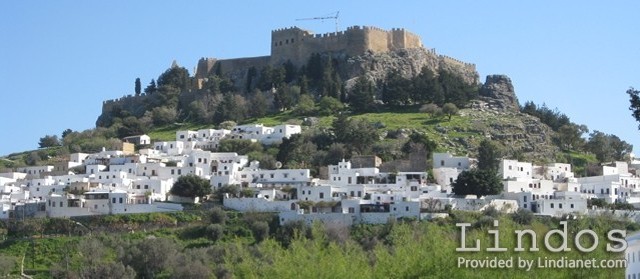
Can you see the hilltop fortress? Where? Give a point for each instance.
(297, 45)
(358, 51)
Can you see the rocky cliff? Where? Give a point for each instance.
(498, 91)
(408, 62)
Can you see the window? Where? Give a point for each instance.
(406, 208)
(551, 205)
(571, 205)
(61, 204)
(146, 186)
(113, 200)
(441, 162)
(560, 205)
(120, 200)
(524, 198)
(321, 195)
(359, 194)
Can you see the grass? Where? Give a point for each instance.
(168, 132)
(579, 161)
(391, 119)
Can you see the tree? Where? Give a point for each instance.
(569, 136)
(151, 88)
(607, 147)
(477, 182)
(489, 156)
(427, 88)
(305, 106)
(131, 126)
(218, 216)
(362, 95)
(66, 132)
(523, 216)
(191, 186)
(49, 141)
(449, 109)
(634, 106)
(138, 87)
(163, 115)
(358, 134)
(397, 90)
(456, 90)
(286, 97)
(215, 231)
(422, 140)
(260, 230)
(232, 190)
(329, 105)
(259, 105)
(177, 77)
(150, 256)
(432, 109)
(290, 71)
(233, 107)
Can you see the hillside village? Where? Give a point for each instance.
(353, 191)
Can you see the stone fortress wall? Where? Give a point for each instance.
(297, 45)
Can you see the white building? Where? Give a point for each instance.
(264, 134)
(514, 170)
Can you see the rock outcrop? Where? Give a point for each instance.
(499, 93)
(408, 63)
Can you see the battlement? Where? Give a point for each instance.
(122, 99)
(451, 60)
(297, 45)
(287, 29)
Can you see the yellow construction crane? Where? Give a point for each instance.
(333, 16)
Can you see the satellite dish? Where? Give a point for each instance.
(278, 164)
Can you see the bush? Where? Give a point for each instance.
(522, 216)
(215, 232)
(483, 222)
(491, 211)
(260, 230)
(218, 216)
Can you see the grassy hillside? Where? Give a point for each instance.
(523, 137)
(460, 135)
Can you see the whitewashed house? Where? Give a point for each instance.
(447, 167)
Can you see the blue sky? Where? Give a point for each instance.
(60, 59)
